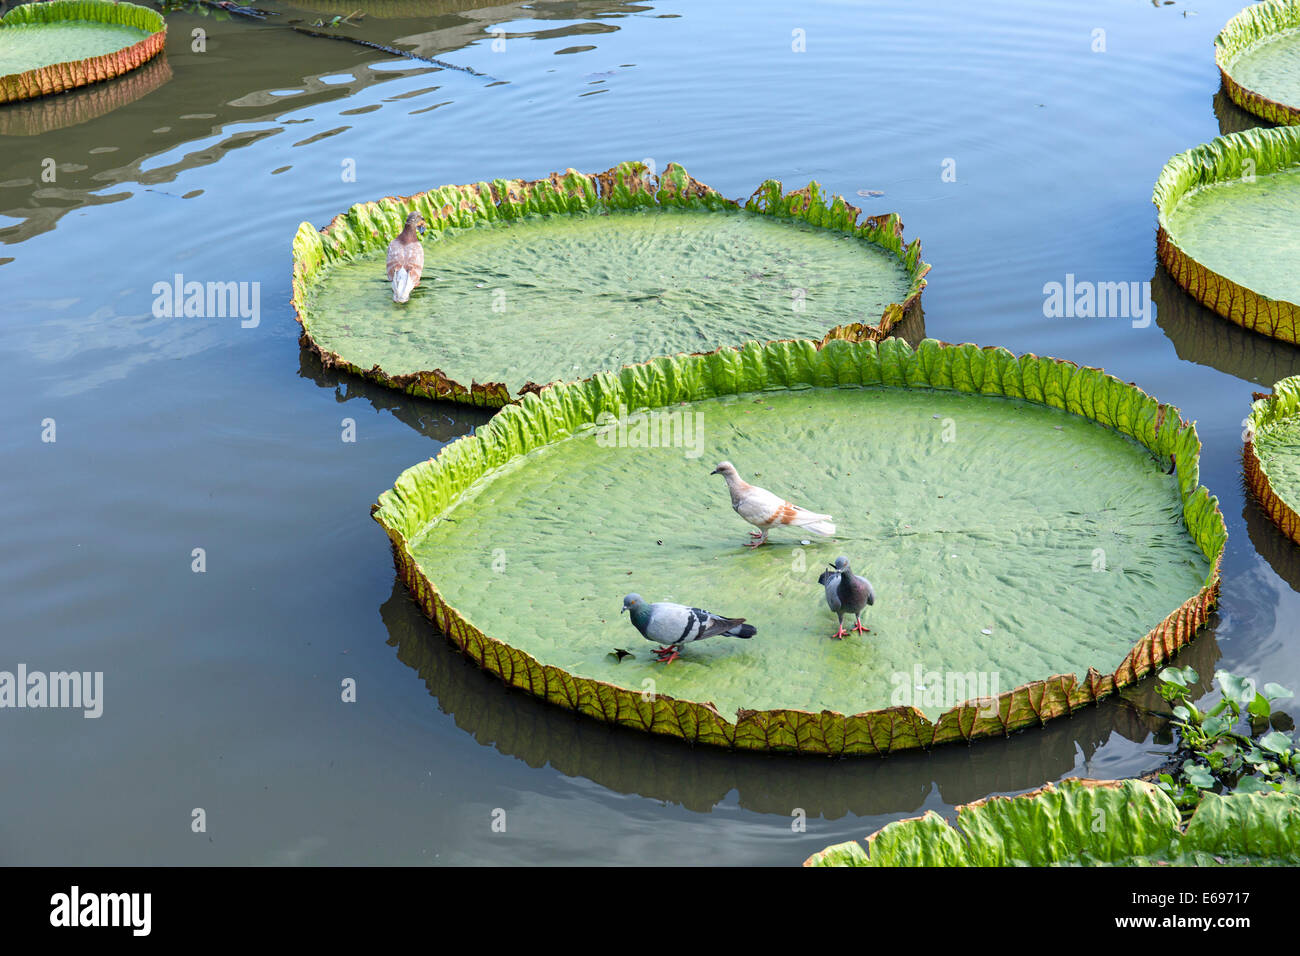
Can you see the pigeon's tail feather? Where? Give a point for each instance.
(871, 594)
(742, 630)
(818, 524)
(403, 283)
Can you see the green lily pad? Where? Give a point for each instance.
(530, 283)
(1229, 227)
(1258, 54)
(1088, 823)
(1272, 455)
(54, 46)
(1015, 516)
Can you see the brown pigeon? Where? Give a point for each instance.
(406, 258)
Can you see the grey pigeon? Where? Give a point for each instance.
(765, 510)
(673, 625)
(847, 592)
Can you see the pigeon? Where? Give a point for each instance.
(672, 625)
(765, 510)
(406, 258)
(846, 591)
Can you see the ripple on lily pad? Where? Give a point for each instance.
(1258, 53)
(1229, 227)
(1014, 515)
(61, 44)
(528, 283)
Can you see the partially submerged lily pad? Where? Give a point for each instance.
(528, 283)
(1258, 54)
(1088, 823)
(1229, 227)
(61, 44)
(1014, 514)
(1272, 454)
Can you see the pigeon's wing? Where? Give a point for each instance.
(713, 624)
(831, 579)
(405, 256)
(672, 623)
(868, 591)
(760, 507)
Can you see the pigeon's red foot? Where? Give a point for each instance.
(667, 655)
(860, 629)
(756, 534)
(840, 634)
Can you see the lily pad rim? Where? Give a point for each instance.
(1265, 409)
(861, 848)
(611, 188)
(1218, 161)
(1247, 29)
(1029, 701)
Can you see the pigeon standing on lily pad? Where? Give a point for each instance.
(406, 258)
(846, 592)
(672, 625)
(765, 510)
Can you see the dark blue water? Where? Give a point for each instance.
(222, 689)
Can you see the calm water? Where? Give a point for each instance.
(222, 688)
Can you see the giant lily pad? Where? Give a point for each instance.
(527, 283)
(1088, 823)
(1272, 454)
(1014, 514)
(55, 46)
(1229, 227)
(1258, 54)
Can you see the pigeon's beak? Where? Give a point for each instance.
(624, 610)
(714, 472)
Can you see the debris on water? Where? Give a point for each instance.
(987, 630)
(618, 654)
(871, 193)
(660, 541)
(805, 541)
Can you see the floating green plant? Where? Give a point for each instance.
(1087, 823)
(1258, 54)
(1229, 227)
(61, 44)
(1272, 454)
(528, 283)
(1016, 516)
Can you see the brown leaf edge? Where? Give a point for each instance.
(624, 179)
(876, 732)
